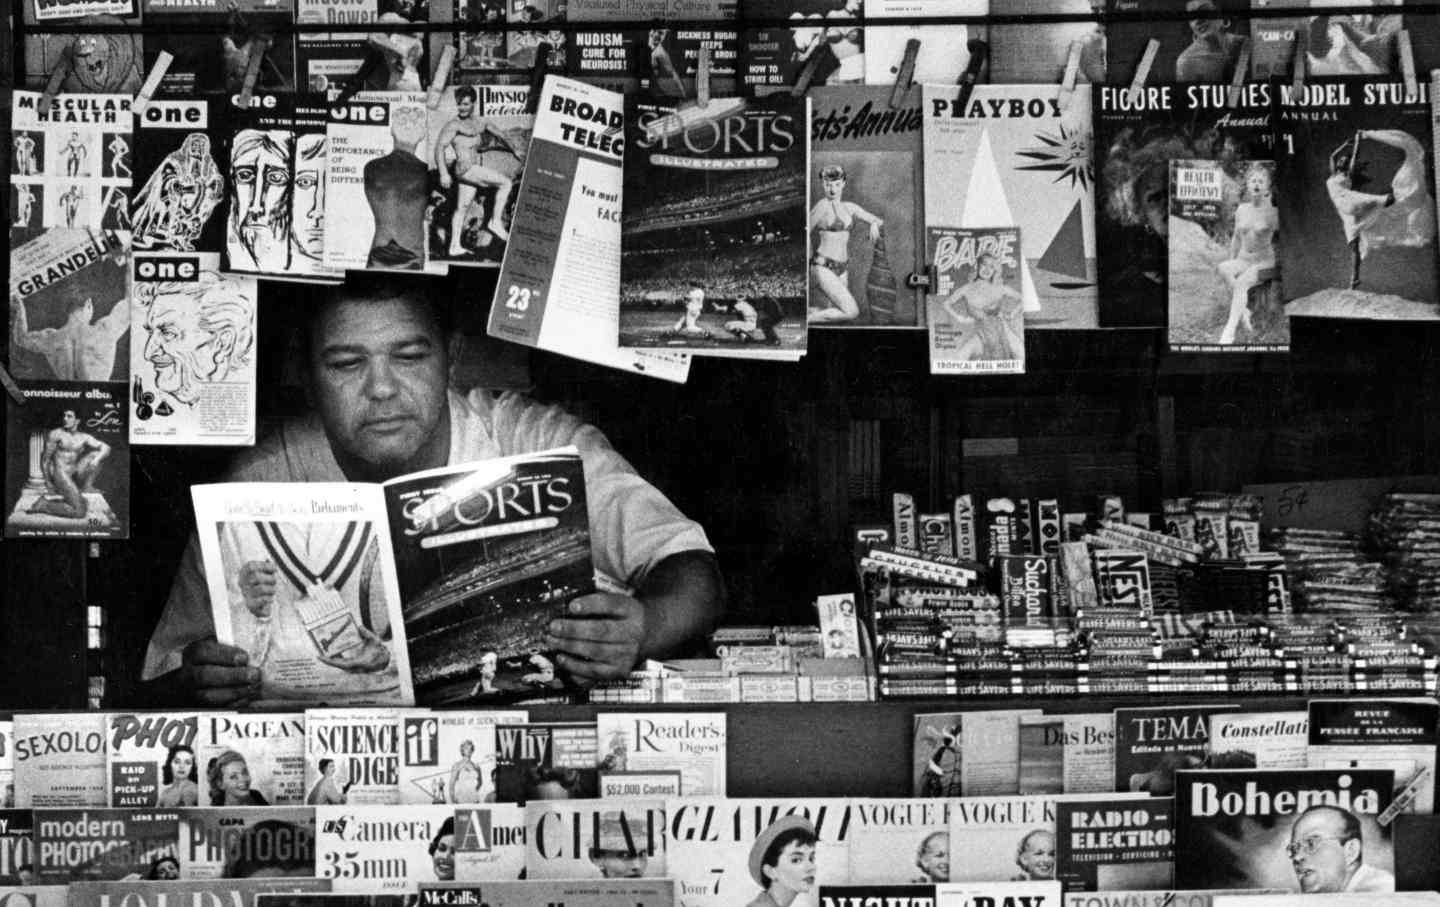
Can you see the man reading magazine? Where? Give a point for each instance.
(378, 361)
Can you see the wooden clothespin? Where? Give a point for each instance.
(152, 82)
(806, 75)
(537, 76)
(1242, 72)
(374, 59)
(905, 77)
(1142, 72)
(702, 79)
(1407, 63)
(1071, 74)
(258, 51)
(58, 75)
(441, 76)
(11, 387)
(979, 53)
(1302, 59)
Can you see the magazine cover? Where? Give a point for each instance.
(1357, 212)
(251, 759)
(179, 177)
(60, 759)
(1202, 48)
(693, 742)
(67, 462)
(598, 839)
(1398, 734)
(714, 258)
(192, 362)
(34, 895)
(488, 553)
(17, 847)
(1014, 157)
(866, 219)
(1105, 844)
(967, 754)
(69, 169)
(556, 295)
(146, 893)
(365, 850)
(352, 756)
(1149, 898)
(944, 54)
(1258, 740)
(212, 41)
(1312, 830)
(480, 135)
(661, 62)
(78, 845)
(559, 893)
(7, 765)
(260, 166)
(36, 11)
(327, 61)
(1019, 891)
(1067, 754)
(878, 893)
(1224, 280)
(975, 310)
(301, 578)
(449, 757)
(725, 852)
(377, 182)
(239, 843)
(553, 760)
(1135, 140)
(1037, 52)
(489, 842)
(333, 900)
(900, 841)
(1005, 839)
(112, 66)
(1338, 44)
(1152, 743)
(69, 310)
(833, 42)
(150, 759)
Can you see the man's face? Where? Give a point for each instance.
(307, 218)
(1317, 854)
(620, 864)
(69, 420)
(379, 382)
(464, 106)
(1037, 858)
(695, 298)
(182, 352)
(934, 858)
(262, 196)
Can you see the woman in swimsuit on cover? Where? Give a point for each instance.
(832, 218)
(1252, 247)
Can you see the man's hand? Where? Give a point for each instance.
(257, 585)
(212, 673)
(370, 657)
(601, 638)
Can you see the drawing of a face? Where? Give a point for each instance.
(307, 214)
(194, 333)
(260, 205)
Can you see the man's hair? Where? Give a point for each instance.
(373, 289)
(221, 304)
(467, 93)
(1349, 823)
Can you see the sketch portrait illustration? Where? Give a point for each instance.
(196, 332)
(307, 204)
(179, 197)
(260, 189)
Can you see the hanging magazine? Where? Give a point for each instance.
(70, 167)
(975, 308)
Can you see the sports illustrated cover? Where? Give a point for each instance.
(192, 365)
(902, 841)
(866, 223)
(1258, 740)
(1105, 844)
(17, 845)
(833, 42)
(71, 168)
(78, 845)
(943, 58)
(146, 893)
(1135, 140)
(487, 554)
(1152, 743)
(449, 757)
(251, 759)
(560, 893)
(1203, 47)
(553, 760)
(178, 176)
(60, 759)
(240, 843)
(713, 258)
(693, 742)
(1355, 185)
(1036, 52)
(1015, 892)
(1398, 734)
(216, 61)
(1364, 44)
(67, 462)
(365, 850)
(151, 759)
(302, 578)
(489, 842)
(1311, 830)
(377, 182)
(331, 60)
(480, 135)
(726, 852)
(1014, 156)
(1067, 754)
(1224, 280)
(69, 309)
(352, 756)
(975, 310)
(595, 839)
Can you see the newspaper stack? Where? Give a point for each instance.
(1406, 532)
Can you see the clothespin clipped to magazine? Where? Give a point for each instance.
(1071, 75)
(152, 82)
(702, 79)
(374, 59)
(805, 76)
(1242, 71)
(1407, 62)
(905, 77)
(252, 70)
(979, 53)
(1302, 59)
(537, 76)
(11, 387)
(58, 75)
(922, 280)
(440, 78)
(1142, 72)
